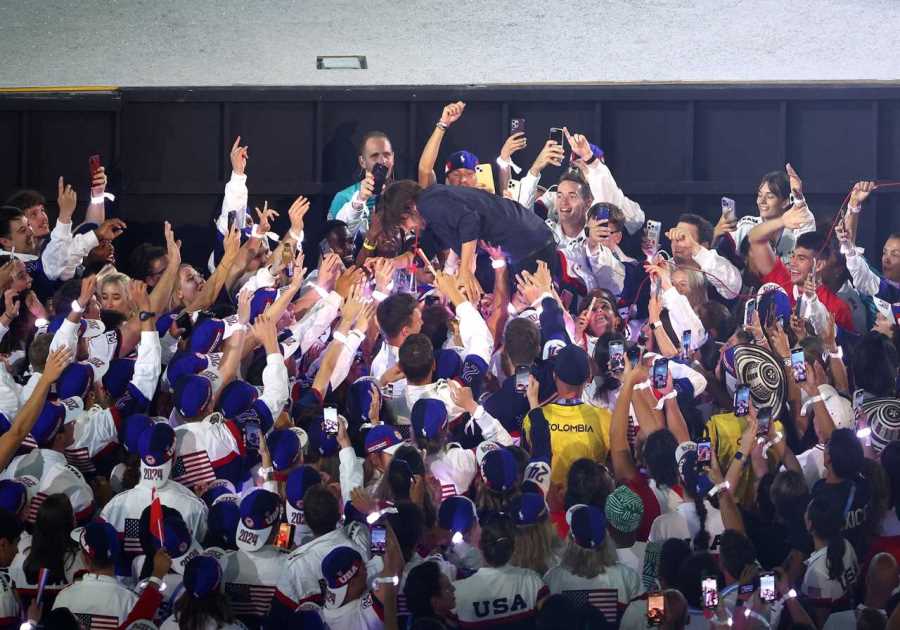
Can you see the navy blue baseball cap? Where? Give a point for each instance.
(528, 508)
(13, 495)
(339, 566)
(131, 429)
(216, 489)
(192, 394)
(222, 523)
(260, 510)
(202, 576)
(49, 423)
(260, 301)
(99, 541)
(117, 377)
(448, 363)
(460, 159)
(284, 447)
(185, 363)
(207, 335)
(76, 380)
(499, 470)
(572, 365)
(156, 445)
(299, 481)
(428, 417)
(236, 398)
(385, 438)
(457, 514)
(587, 524)
(773, 296)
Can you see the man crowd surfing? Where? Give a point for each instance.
(500, 401)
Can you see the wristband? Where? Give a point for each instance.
(379, 296)
(809, 402)
(498, 264)
(662, 401)
(778, 438)
(786, 361)
(265, 472)
(296, 237)
(101, 198)
(339, 336)
(837, 355)
(441, 125)
(393, 580)
(591, 159)
(509, 164)
(854, 209)
(716, 489)
(369, 246)
(76, 307)
(322, 292)
(160, 585)
(655, 325)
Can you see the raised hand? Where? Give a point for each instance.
(231, 245)
(66, 198)
(264, 330)
(173, 247)
(329, 269)
(297, 212)
(11, 305)
(552, 153)
(796, 182)
(349, 280)
(861, 191)
(448, 287)
(265, 218)
(88, 286)
(462, 397)
(514, 143)
(239, 156)
(99, 182)
(367, 187)
(110, 229)
(452, 112)
(139, 296)
(797, 216)
(579, 143)
(244, 298)
(57, 361)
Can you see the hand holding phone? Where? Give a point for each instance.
(742, 400)
(379, 173)
(523, 372)
(767, 591)
(798, 365)
(484, 177)
(749, 308)
(516, 125)
(710, 590)
(763, 420)
(656, 608)
(616, 356)
(378, 535)
(660, 374)
(285, 537)
(704, 453)
(728, 210)
(557, 135)
(330, 422)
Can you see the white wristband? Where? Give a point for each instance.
(662, 401)
(76, 307)
(379, 296)
(322, 292)
(837, 355)
(498, 264)
(854, 209)
(716, 489)
(339, 336)
(809, 402)
(101, 198)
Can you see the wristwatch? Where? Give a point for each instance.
(655, 325)
(145, 315)
(591, 159)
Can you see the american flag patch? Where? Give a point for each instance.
(192, 469)
(132, 542)
(250, 600)
(34, 506)
(448, 490)
(606, 600)
(80, 458)
(97, 622)
(402, 608)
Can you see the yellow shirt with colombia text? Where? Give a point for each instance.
(576, 432)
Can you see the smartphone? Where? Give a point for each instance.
(704, 453)
(749, 307)
(285, 537)
(710, 593)
(514, 186)
(516, 125)
(287, 259)
(616, 356)
(742, 401)
(767, 586)
(330, 422)
(799, 306)
(404, 281)
(484, 177)
(251, 436)
(652, 231)
(858, 415)
(798, 365)
(94, 165)
(728, 209)
(747, 589)
(763, 418)
(556, 134)
(660, 373)
(232, 217)
(523, 372)
(379, 172)
(656, 608)
(379, 538)
(686, 345)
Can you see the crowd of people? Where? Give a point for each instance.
(493, 402)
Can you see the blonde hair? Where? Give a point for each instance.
(534, 546)
(109, 275)
(696, 285)
(588, 563)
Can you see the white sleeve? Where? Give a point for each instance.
(604, 188)
(724, 276)
(168, 347)
(235, 200)
(350, 468)
(683, 317)
(698, 381)
(55, 254)
(320, 319)
(864, 279)
(77, 248)
(66, 335)
(491, 429)
(815, 312)
(607, 270)
(262, 279)
(276, 389)
(345, 358)
(355, 219)
(475, 334)
(3, 331)
(148, 365)
(528, 189)
(10, 392)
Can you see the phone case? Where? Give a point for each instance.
(484, 177)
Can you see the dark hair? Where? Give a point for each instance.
(10, 527)
(789, 495)
(416, 357)
(112, 319)
(24, 199)
(51, 545)
(8, 214)
(874, 365)
(693, 490)
(194, 613)
(659, 456)
(60, 619)
(370, 135)
(394, 313)
(778, 183)
(575, 177)
(422, 583)
(672, 554)
(397, 202)
(140, 259)
(332, 225)
(408, 525)
(607, 381)
(826, 519)
(148, 541)
(846, 453)
(521, 341)
(697, 566)
(736, 551)
(716, 316)
(704, 227)
(407, 462)
(321, 509)
(435, 320)
(815, 242)
(498, 539)
(65, 295)
(588, 482)
(890, 461)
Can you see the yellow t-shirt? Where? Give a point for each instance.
(576, 432)
(725, 431)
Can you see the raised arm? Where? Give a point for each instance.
(213, 286)
(624, 467)
(761, 251)
(450, 115)
(28, 414)
(161, 294)
(96, 210)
